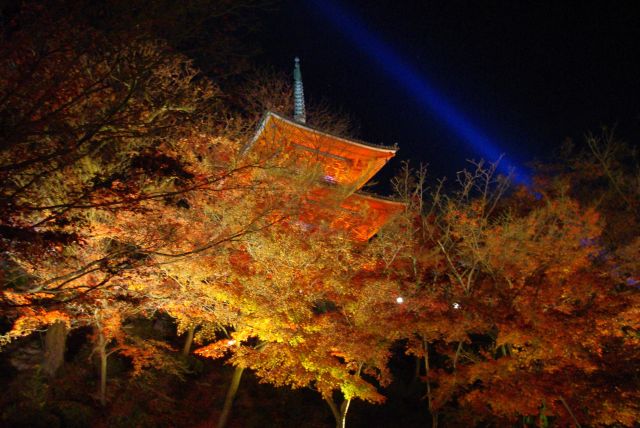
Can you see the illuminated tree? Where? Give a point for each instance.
(83, 115)
(311, 313)
(118, 158)
(522, 304)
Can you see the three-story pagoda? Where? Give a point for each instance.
(342, 165)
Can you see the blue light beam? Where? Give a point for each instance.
(404, 75)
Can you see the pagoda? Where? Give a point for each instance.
(342, 167)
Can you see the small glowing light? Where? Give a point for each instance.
(456, 305)
(330, 179)
(231, 342)
(399, 300)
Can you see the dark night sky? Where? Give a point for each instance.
(528, 74)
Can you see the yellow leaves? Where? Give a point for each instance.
(137, 286)
(296, 340)
(362, 390)
(40, 318)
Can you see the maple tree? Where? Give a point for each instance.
(109, 129)
(519, 300)
(107, 318)
(309, 315)
(82, 114)
(604, 175)
(116, 147)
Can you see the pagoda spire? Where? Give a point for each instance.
(299, 114)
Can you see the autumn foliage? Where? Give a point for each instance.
(127, 202)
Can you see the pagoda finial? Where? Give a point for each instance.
(299, 114)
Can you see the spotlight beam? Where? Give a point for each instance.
(406, 77)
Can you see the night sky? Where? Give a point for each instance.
(527, 75)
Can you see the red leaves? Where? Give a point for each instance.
(241, 261)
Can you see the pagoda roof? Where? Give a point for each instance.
(371, 212)
(360, 214)
(345, 161)
(353, 141)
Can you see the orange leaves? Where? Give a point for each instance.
(147, 354)
(109, 322)
(512, 336)
(556, 239)
(216, 349)
(17, 298)
(39, 317)
(306, 310)
(529, 307)
(337, 353)
(32, 320)
(105, 129)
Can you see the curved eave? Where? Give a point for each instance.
(350, 141)
(378, 212)
(383, 200)
(387, 152)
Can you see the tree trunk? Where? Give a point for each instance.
(54, 347)
(102, 350)
(344, 408)
(340, 415)
(416, 371)
(231, 394)
(188, 340)
(434, 415)
(566, 406)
